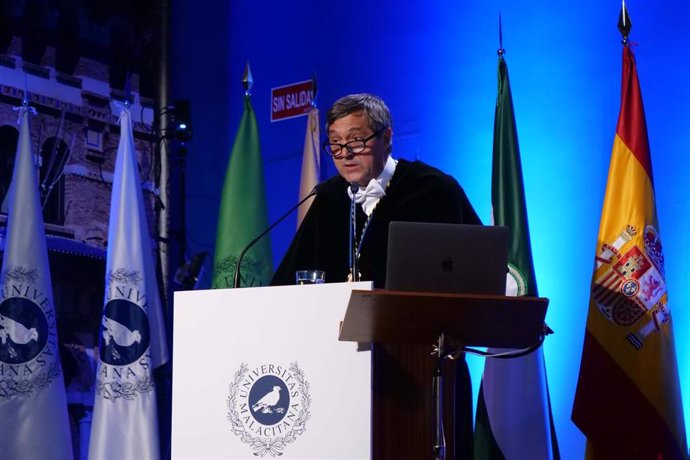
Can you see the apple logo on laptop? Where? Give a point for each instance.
(447, 265)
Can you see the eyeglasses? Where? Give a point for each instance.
(354, 147)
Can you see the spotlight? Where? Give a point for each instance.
(183, 121)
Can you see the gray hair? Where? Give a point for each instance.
(376, 111)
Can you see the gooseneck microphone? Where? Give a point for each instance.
(236, 280)
(354, 270)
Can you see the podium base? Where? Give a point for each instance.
(403, 404)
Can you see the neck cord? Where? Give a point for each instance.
(360, 241)
(353, 252)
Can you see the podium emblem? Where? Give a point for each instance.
(268, 406)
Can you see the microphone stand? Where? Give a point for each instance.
(236, 280)
(354, 270)
(439, 449)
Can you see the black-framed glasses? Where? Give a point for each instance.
(355, 147)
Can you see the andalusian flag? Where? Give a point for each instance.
(33, 406)
(311, 163)
(243, 213)
(628, 401)
(513, 411)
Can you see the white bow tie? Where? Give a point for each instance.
(368, 196)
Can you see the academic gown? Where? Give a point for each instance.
(417, 192)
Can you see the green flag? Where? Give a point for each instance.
(513, 412)
(243, 213)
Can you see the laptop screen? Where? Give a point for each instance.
(454, 258)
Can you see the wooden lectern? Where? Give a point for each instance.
(404, 327)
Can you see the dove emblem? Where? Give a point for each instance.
(16, 332)
(119, 333)
(23, 331)
(268, 402)
(124, 334)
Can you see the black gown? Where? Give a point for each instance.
(417, 192)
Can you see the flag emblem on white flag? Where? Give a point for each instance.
(23, 328)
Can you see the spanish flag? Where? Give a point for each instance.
(628, 401)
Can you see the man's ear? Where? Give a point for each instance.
(388, 136)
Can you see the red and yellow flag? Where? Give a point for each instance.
(628, 401)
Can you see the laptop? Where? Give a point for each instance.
(453, 258)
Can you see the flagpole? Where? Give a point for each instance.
(163, 242)
(163, 122)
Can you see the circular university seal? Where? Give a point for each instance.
(125, 335)
(124, 372)
(23, 330)
(268, 406)
(28, 342)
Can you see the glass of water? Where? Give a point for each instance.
(310, 276)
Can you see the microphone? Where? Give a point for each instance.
(354, 188)
(187, 275)
(236, 281)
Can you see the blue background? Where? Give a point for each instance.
(435, 64)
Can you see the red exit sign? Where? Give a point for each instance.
(292, 100)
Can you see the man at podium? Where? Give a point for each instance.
(360, 140)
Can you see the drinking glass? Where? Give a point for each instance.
(310, 276)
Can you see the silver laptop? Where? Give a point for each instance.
(456, 258)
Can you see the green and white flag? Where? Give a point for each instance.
(243, 214)
(513, 412)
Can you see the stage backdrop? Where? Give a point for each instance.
(435, 64)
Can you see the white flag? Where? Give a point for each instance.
(132, 334)
(33, 407)
(311, 162)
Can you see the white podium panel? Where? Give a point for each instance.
(259, 372)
